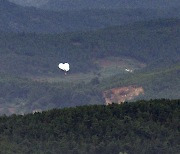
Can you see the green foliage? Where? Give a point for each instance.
(139, 127)
(154, 42)
(162, 82)
(20, 96)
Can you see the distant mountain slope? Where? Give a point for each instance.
(24, 19)
(154, 42)
(18, 95)
(35, 56)
(108, 4)
(36, 3)
(98, 4)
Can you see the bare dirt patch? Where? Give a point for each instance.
(122, 94)
(120, 62)
(12, 110)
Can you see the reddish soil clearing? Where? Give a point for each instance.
(122, 94)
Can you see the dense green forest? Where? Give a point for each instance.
(148, 127)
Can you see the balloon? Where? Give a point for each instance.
(64, 67)
(128, 70)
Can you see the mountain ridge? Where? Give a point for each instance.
(15, 18)
(97, 4)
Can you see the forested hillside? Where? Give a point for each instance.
(162, 82)
(21, 96)
(153, 42)
(30, 78)
(15, 18)
(147, 127)
(121, 54)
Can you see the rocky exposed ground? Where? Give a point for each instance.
(122, 94)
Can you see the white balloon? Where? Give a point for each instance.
(128, 70)
(64, 67)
